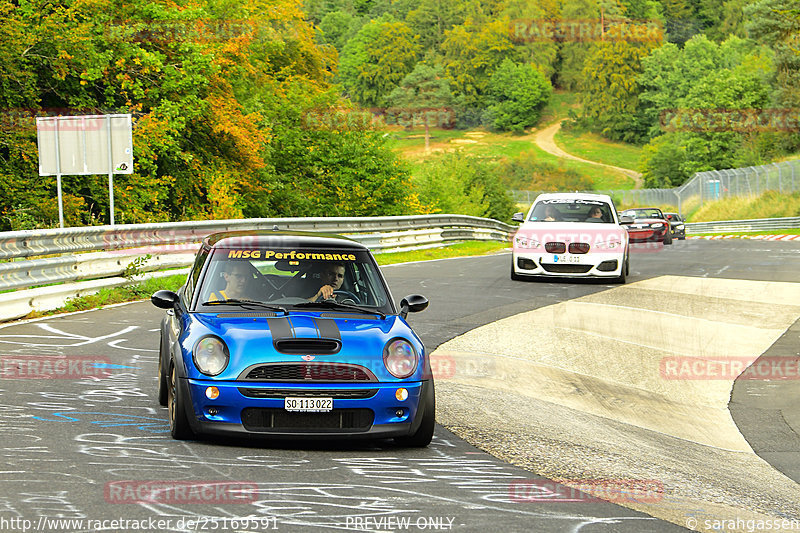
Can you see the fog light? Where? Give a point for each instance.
(213, 411)
(401, 395)
(212, 393)
(399, 413)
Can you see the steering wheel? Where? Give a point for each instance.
(346, 295)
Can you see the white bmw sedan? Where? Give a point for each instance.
(571, 235)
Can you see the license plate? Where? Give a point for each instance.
(311, 405)
(566, 259)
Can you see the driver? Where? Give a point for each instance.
(331, 277)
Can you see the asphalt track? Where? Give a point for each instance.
(68, 444)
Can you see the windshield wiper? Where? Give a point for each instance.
(331, 304)
(243, 303)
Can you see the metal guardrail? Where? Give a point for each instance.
(31, 243)
(757, 224)
(174, 245)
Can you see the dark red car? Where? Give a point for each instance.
(649, 225)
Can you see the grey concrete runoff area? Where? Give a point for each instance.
(634, 383)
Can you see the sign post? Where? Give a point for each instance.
(85, 145)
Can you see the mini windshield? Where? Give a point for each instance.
(274, 278)
(557, 210)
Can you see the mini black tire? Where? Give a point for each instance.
(176, 404)
(163, 381)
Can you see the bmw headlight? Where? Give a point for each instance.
(679, 226)
(400, 358)
(521, 241)
(210, 355)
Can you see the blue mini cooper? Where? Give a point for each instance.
(292, 335)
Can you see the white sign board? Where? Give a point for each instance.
(85, 145)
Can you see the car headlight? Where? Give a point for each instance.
(210, 355)
(400, 358)
(657, 225)
(610, 245)
(679, 226)
(524, 242)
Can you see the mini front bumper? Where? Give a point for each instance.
(223, 415)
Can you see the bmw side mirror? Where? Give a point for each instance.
(518, 217)
(413, 303)
(164, 299)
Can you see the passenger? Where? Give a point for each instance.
(595, 214)
(237, 275)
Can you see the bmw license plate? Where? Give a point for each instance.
(311, 405)
(566, 259)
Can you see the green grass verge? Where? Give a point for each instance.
(113, 295)
(770, 204)
(143, 289)
(596, 148)
(461, 249)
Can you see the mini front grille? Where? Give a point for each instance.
(566, 268)
(266, 420)
(282, 372)
(578, 247)
(555, 247)
(336, 394)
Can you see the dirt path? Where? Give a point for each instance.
(545, 139)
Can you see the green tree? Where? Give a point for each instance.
(518, 94)
(374, 62)
(426, 92)
(457, 183)
(776, 23)
(610, 90)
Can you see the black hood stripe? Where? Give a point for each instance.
(328, 329)
(281, 328)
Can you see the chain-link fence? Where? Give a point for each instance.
(705, 186)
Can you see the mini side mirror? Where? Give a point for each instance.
(625, 219)
(413, 303)
(164, 299)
